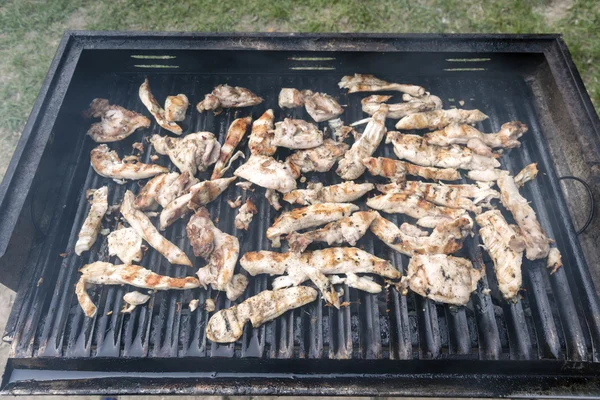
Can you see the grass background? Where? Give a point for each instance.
(31, 30)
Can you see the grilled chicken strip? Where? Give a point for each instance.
(296, 134)
(144, 227)
(225, 96)
(368, 83)
(116, 122)
(414, 149)
(446, 238)
(126, 244)
(492, 175)
(346, 230)
(413, 230)
(320, 158)
(482, 144)
(103, 273)
(437, 119)
(147, 198)
(273, 198)
(218, 273)
(536, 241)
(371, 104)
(320, 106)
(351, 167)
(176, 107)
(108, 164)
(526, 174)
(554, 261)
(175, 189)
(133, 299)
(364, 283)
(192, 153)
(235, 134)
(443, 278)
(156, 110)
(317, 193)
(307, 217)
(227, 325)
(505, 247)
(397, 170)
(93, 222)
(245, 215)
(290, 98)
(261, 137)
(269, 173)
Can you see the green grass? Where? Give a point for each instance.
(31, 31)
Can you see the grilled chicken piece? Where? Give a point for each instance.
(368, 83)
(103, 273)
(198, 195)
(397, 170)
(235, 134)
(317, 193)
(351, 167)
(116, 122)
(320, 158)
(290, 98)
(505, 247)
(482, 144)
(346, 230)
(296, 134)
(492, 175)
(307, 217)
(269, 173)
(144, 227)
(536, 241)
(371, 104)
(156, 110)
(554, 261)
(364, 283)
(437, 119)
(175, 189)
(414, 205)
(225, 96)
(218, 273)
(108, 164)
(126, 244)
(443, 278)
(320, 106)
(245, 215)
(414, 149)
(147, 198)
(192, 153)
(261, 137)
(133, 299)
(273, 198)
(526, 174)
(446, 238)
(227, 325)
(93, 222)
(413, 230)
(176, 107)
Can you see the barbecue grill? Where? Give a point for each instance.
(545, 344)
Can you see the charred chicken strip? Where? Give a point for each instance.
(227, 325)
(144, 227)
(176, 107)
(108, 164)
(133, 299)
(505, 248)
(103, 273)
(296, 134)
(492, 175)
(371, 104)
(320, 106)
(536, 241)
(351, 167)
(290, 98)
(397, 170)
(437, 119)
(443, 278)
(320, 158)
(554, 261)
(192, 153)
(368, 83)
(317, 193)
(307, 217)
(126, 244)
(235, 134)
(414, 149)
(245, 215)
(261, 137)
(156, 110)
(446, 238)
(346, 230)
(269, 173)
(93, 222)
(116, 122)
(225, 96)
(273, 198)
(173, 190)
(526, 174)
(366, 284)
(147, 198)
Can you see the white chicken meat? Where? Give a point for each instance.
(156, 110)
(235, 134)
(108, 164)
(369, 83)
(296, 134)
(315, 193)
(116, 123)
(192, 153)
(261, 136)
(437, 119)
(93, 222)
(126, 244)
(269, 173)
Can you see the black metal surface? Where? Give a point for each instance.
(549, 336)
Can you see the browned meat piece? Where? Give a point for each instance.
(176, 107)
(397, 170)
(235, 134)
(225, 96)
(156, 110)
(437, 119)
(116, 122)
(368, 83)
(290, 98)
(320, 106)
(108, 164)
(261, 137)
(320, 158)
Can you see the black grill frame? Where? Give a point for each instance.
(572, 374)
